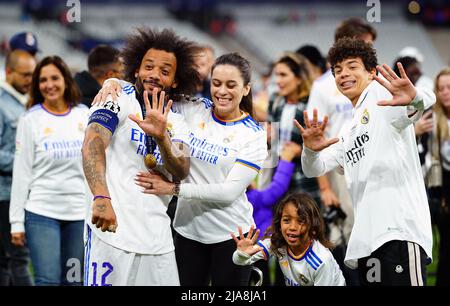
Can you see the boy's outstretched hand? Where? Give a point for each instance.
(401, 88)
(313, 133)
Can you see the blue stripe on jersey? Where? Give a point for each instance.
(248, 164)
(129, 89)
(105, 118)
(307, 258)
(311, 258)
(208, 103)
(251, 123)
(264, 249)
(87, 256)
(316, 257)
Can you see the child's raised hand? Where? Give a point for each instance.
(247, 244)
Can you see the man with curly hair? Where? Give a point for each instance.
(128, 235)
(391, 238)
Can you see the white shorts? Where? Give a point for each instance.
(105, 265)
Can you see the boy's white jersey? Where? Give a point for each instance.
(216, 146)
(143, 224)
(378, 152)
(316, 267)
(328, 100)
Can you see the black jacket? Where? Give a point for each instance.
(89, 87)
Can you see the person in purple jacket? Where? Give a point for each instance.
(263, 201)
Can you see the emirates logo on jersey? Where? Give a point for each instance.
(357, 152)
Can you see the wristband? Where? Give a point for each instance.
(100, 197)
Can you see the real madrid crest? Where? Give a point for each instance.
(365, 117)
(228, 139)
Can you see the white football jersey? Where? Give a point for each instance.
(316, 267)
(143, 224)
(378, 152)
(48, 173)
(216, 147)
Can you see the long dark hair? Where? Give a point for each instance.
(243, 65)
(72, 93)
(308, 212)
(186, 76)
(297, 64)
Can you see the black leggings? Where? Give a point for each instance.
(202, 264)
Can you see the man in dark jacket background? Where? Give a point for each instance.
(103, 63)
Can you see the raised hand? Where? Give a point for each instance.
(112, 88)
(401, 88)
(314, 132)
(247, 244)
(155, 121)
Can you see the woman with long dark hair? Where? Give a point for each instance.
(47, 196)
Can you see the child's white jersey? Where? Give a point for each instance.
(378, 152)
(225, 157)
(315, 267)
(143, 224)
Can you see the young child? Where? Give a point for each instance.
(298, 241)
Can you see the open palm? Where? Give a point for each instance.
(247, 244)
(155, 121)
(313, 133)
(401, 88)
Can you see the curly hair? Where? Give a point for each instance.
(347, 48)
(72, 93)
(137, 45)
(308, 212)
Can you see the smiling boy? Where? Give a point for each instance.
(391, 237)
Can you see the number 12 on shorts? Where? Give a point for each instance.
(105, 270)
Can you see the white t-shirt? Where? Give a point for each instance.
(143, 224)
(316, 267)
(48, 175)
(225, 157)
(378, 152)
(328, 100)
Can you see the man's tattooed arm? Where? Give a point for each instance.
(95, 142)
